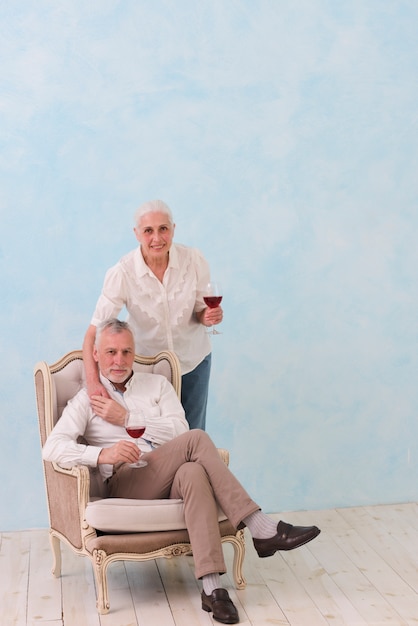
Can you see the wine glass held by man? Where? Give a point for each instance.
(135, 426)
(161, 284)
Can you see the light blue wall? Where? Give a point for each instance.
(284, 136)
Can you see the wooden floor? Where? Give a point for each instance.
(362, 569)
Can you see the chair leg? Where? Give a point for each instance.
(238, 543)
(100, 573)
(56, 554)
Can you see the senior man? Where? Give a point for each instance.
(181, 463)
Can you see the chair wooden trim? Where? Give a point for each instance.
(67, 515)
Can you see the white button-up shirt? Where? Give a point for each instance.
(162, 315)
(164, 416)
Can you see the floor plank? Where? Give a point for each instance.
(148, 594)
(78, 590)
(320, 585)
(183, 592)
(14, 574)
(44, 590)
(120, 597)
(400, 555)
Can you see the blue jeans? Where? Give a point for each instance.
(194, 393)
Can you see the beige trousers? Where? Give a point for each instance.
(189, 467)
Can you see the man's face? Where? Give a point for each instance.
(155, 234)
(115, 355)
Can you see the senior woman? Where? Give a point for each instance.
(161, 284)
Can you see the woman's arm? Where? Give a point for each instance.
(94, 386)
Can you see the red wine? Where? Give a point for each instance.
(212, 301)
(135, 432)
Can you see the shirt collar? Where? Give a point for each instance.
(111, 387)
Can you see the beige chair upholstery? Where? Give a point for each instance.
(111, 529)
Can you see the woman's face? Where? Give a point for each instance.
(155, 234)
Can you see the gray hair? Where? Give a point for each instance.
(153, 206)
(114, 325)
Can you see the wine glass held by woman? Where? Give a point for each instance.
(161, 284)
(213, 298)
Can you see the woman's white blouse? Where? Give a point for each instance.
(162, 315)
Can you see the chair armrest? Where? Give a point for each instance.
(82, 475)
(68, 494)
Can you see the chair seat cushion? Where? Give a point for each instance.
(123, 515)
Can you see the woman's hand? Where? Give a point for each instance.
(211, 317)
(97, 389)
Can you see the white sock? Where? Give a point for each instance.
(210, 583)
(260, 525)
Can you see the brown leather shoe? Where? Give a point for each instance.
(221, 605)
(288, 537)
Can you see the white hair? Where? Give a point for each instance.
(153, 206)
(114, 325)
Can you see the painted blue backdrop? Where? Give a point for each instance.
(284, 136)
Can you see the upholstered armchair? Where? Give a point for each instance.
(111, 529)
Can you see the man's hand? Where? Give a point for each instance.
(108, 409)
(120, 452)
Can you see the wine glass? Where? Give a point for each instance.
(213, 298)
(135, 427)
